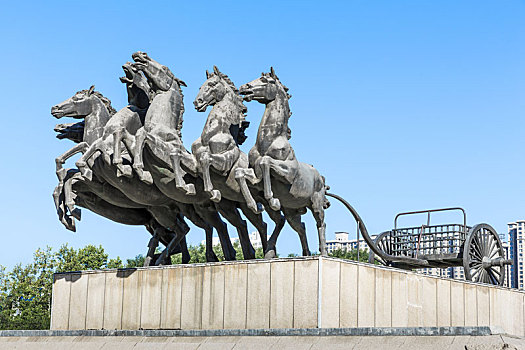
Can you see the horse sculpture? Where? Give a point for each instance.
(135, 170)
(217, 151)
(158, 148)
(296, 185)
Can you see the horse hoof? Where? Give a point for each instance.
(87, 174)
(147, 261)
(257, 208)
(190, 190)
(271, 254)
(76, 213)
(260, 208)
(215, 196)
(212, 258)
(147, 178)
(160, 260)
(275, 204)
(124, 170)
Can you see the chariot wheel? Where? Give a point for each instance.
(383, 243)
(484, 256)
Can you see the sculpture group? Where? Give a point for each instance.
(135, 170)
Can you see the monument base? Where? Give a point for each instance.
(289, 293)
(457, 338)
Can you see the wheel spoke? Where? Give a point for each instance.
(492, 246)
(496, 271)
(483, 242)
(485, 276)
(472, 274)
(476, 250)
(495, 280)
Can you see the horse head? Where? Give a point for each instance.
(78, 106)
(216, 86)
(81, 104)
(139, 91)
(264, 89)
(158, 75)
(71, 131)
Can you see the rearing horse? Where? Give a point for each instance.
(296, 185)
(217, 151)
(163, 122)
(123, 124)
(161, 133)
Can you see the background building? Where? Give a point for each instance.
(515, 253)
(342, 242)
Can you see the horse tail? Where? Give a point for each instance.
(326, 202)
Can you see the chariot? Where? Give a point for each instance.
(478, 249)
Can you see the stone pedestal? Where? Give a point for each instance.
(311, 292)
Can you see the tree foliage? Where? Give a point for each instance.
(25, 292)
(350, 254)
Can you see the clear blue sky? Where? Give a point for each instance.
(402, 105)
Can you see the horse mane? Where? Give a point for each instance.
(181, 119)
(106, 101)
(274, 76)
(179, 84)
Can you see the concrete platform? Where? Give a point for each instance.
(465, 342)
(290, 293)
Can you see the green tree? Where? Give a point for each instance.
(25, 292)
(350, 254)
(137, 261)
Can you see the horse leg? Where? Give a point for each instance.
(122, 170)
(59, 197)
(240, 176)
(190, 212)
(279, 220)
(210, 215)
(152, 247)
(182, 228)
(229, 210)
(293, 217)
(171, 245)
(215, 195)
(186, 257)
(273, 202)
(317, 208)
(138, 164)
(188, 189)
(128, 139)
(69, 196)
(82, 162)
(60, 160)
(258, 222)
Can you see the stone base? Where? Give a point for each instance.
(291, 293)
(460, 342)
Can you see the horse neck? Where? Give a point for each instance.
(275, 117)
(170, 120)
(95, 122)
(227, 112)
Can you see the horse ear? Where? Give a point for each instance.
(91, 89)
(181, 83)
(272, 73)
(207, 74)
(216, 70)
